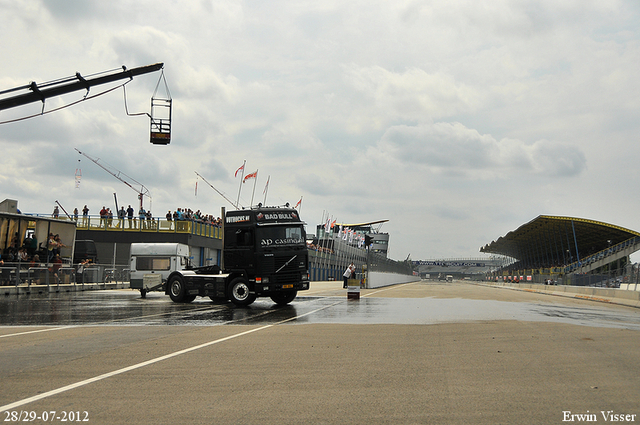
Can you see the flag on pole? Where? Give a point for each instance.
(78, 177)
(238, 170)
(250, 176)
(196, 189)
(299, 203)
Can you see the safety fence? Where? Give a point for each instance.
(19, 274)
(330, 258)
(606, 277)
(380, 263)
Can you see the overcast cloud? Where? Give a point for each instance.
(457, 121)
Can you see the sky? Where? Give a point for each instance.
(457, 121)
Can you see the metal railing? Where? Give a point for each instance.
(602, 255)
(21, 274)
(154, 224)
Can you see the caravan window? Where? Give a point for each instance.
(153, 263)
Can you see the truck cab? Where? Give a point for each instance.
(264, 255)
(267, 246)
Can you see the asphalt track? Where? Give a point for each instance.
(415, 353)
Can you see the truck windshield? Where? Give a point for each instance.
(280, 235)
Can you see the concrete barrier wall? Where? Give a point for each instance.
(630, 286)
(616, 296)
(380, 279)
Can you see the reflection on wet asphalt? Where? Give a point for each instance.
(127, 308)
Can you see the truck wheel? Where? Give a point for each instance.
(238, 292)
(284, 298)
(189, 298)
(177, 290)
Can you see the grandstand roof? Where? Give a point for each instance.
(369, 223)
(548, 240)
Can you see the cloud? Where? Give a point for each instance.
(452, 146)
(434, 115)
(411, 95)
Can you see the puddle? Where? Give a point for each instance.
(127, 308)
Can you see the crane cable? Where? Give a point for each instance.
(124, 90)
(64, 106)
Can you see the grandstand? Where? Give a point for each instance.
(459, 268)
(567, 249)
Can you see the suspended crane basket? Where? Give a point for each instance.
(161, 116)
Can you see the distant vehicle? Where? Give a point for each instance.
(265, 255)
(85, 250)
(449, 278)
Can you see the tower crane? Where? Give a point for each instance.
(140, 189)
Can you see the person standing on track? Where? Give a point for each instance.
(347, 274)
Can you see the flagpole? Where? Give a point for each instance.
(220, 193)
(255, 180)
(240, 188)
(266, 189)
(322, 248)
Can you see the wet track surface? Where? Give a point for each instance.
(127, 308)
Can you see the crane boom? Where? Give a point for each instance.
(143, 191)
(40, 92)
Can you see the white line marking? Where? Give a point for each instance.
(148, 362)
(123, 370)
(36, 331)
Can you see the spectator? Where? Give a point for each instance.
(85, 216)
(121, 214)
(57, 264)
(130, 216)
(103, 217)
(22, 254)
(31, 243)
(143, 215)
(51, 245)
(58, 243)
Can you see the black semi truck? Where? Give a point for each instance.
(264, 255)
